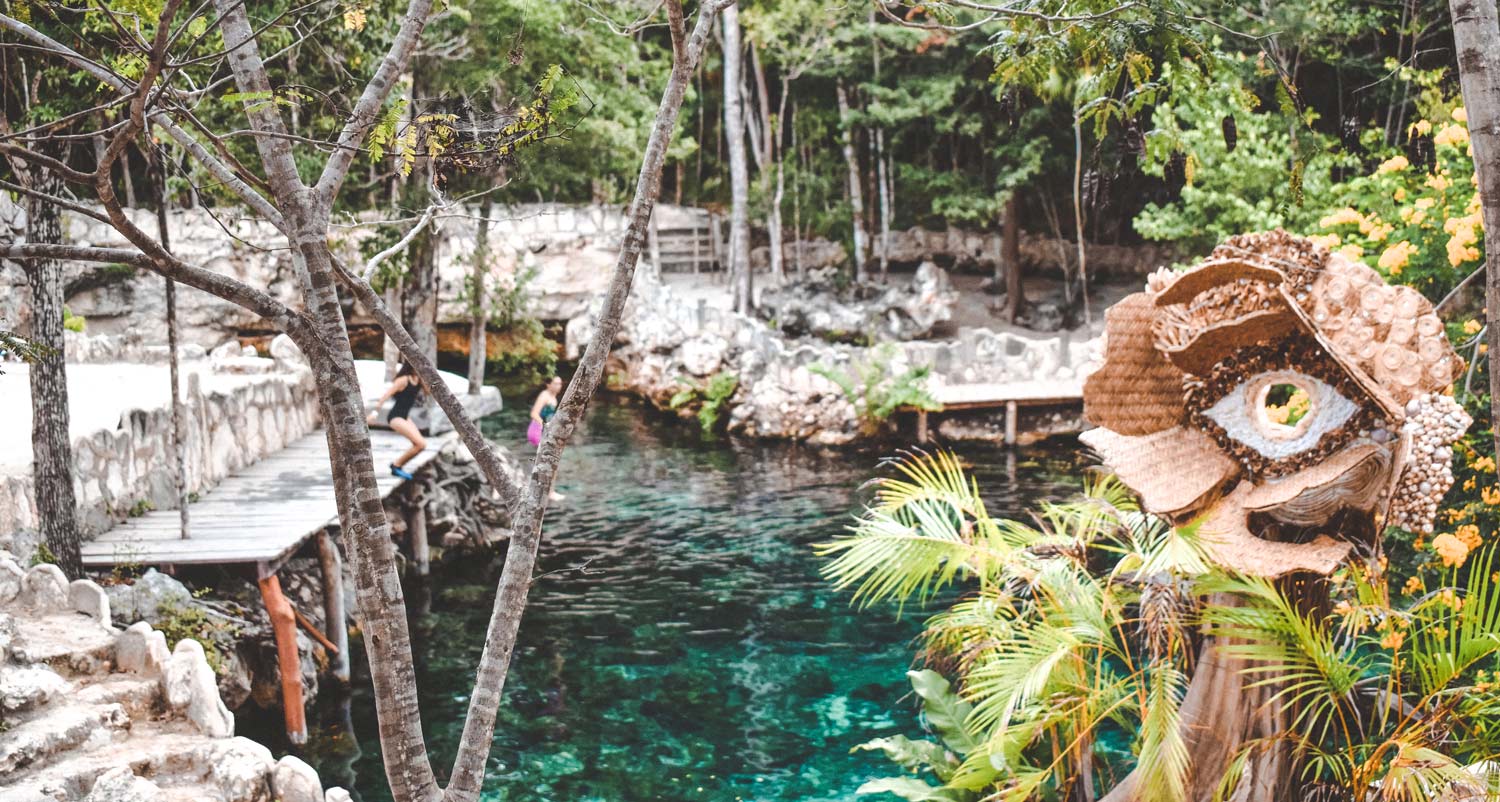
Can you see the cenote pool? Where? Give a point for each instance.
(680, 644)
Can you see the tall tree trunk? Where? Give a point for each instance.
(739, 168)
(882, 183)
(179, 423)
(1078, 220)
(1010, 258)
(1476, 36)
(797, 201)
(51, 444)
(856, 194)
(478, 334)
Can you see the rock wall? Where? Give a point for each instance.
(665, 342)
(100, 714)
(232, 421)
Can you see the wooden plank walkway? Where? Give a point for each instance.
(1010, 395)
(259, 516)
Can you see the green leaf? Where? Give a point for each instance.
(912, 790)
(912, 755)
(945, 711)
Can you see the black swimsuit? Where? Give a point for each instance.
(404, 399)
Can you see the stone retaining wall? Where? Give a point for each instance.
(665, 341)
(231, 424)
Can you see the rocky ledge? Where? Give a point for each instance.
(93, 713)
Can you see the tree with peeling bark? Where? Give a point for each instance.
(1476, 38)
(281, 189)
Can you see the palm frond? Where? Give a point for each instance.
(1164, 759)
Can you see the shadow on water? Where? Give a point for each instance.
(680, 644)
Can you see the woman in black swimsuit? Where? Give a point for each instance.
(406, 388)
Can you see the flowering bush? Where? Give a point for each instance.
(1416, 224)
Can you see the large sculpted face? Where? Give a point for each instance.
(1276, 393)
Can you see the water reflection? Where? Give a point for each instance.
(680, 644)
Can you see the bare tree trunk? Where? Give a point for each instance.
(856, 194)
(883, 184)
(51, 444)
(1083, 264)
(797, 201)
(179, 423)
(478, 334)
(1476, 36)
(739, 168)
(1010, 258)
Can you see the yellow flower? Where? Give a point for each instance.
(1396, 257)
(1425, 203)
(1345, 216)
(1486, 464)
(1422, 127)
(1394, 164)
(1469, 534)
(1451, 549)
(1352, 252)
(1469, 484)
(1461, 115)
(1399, 194)
(1440, 632)
(1438, 182)
(354, 19)
(1491, 496)
(1413, 585)
(1393, 640)
(1451, 599)
(1454, 135)
(1329, 241)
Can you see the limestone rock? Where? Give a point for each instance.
(121, 785)
(88, 598)
(193, 690)
(295, 781)
(286, 353)
(144, 599)
(337, 794)
(45, 589)
(703, 355)
(26, 687)
(141, 650)
(242, 770)
(228, 349)
(10, 581)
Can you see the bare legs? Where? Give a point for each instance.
(407, 429)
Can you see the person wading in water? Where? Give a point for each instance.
(406, 388)
(542, 411)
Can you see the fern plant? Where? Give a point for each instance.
(877, 392)
(711, 397)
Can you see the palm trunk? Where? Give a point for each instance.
(739, 168)
(1476, 35)
(51, 444)
(856, 194)
(478, 335)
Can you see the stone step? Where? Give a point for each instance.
(140, 696)
(38, 740)
(26, 688)
(167, 753)
(72, 644)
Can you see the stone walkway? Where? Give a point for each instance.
(96, 714)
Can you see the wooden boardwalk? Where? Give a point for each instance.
(1010, 395)
(259, 516)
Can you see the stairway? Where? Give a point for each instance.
(92, 713)
(687, 240)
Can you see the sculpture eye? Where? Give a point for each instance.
(1281, 413)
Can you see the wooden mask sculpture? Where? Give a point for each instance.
(1189, 404)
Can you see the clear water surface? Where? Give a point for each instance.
(680, 644)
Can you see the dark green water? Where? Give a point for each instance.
(680, 645)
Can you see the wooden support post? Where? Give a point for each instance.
(416, 533)
(921, 426)
(1010, 423)
(284, 625)
(334, 618)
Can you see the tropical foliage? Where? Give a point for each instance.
(709, 396)
(876, 389)
(1080, 629)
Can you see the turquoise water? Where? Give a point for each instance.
(680, 644)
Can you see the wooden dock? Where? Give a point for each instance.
(258, 519)
(259, 516)
(1010, 395)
